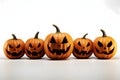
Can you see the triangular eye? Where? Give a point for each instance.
(109, 44)
(10, 46)
(39, 45)
(100, 44)
(64, 40)
(52, 40)
(79, 43)
(18, 46)
(88, 44)
(30, 45)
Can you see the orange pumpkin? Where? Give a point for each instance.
(104, 47)
(58, 45)
(34, 47)
(14, 48)
(83, 47)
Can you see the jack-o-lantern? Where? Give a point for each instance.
(34, 47)
(14, 48)
(83, 47)
(58, 45)
(104, 47)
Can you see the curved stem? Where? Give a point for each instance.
(57, 29)
(85, 35)
(36, 35)
(14, 37)
(104, 34)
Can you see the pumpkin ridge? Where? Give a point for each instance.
(104, 47)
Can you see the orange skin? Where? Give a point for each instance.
(83, 47)
(55, 49)
(34, 47)
(14, 48)
(104, 47)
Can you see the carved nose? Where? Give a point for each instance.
(34, 48)
(58, 45)
(83, 47)
(104, 47)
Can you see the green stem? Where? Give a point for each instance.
(57, 29)
(14, 37)
(104, 34)
(85, 35)
(36, 35)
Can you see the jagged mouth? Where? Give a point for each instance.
(82, 52)
(59, 52)
(104, 52)
(14, 53)
(34, 53)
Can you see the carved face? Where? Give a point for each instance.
(34, 48)
(83, 48)
(58, 46)
(14, 48)
(104, 47)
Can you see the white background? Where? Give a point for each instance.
(76, 17)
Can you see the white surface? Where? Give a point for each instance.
(77, 17)
(70, 69)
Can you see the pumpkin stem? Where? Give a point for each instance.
(104, 34)
(85, 35)
(36, 35)
(14, 37)
(57, 29)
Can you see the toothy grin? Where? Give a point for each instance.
(60, 51)
(82, 52)
(14, 53)
(34, 53)
(104, 52)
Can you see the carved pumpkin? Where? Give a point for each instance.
(104, 47)
(58, 45)
(14, 48)
(83, 47)
(34, 47)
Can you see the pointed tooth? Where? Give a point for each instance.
(51, 49)
(55, 53)
(65, 49)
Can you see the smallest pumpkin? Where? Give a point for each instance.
(34, 47)
(14, 48)
(83, 47)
